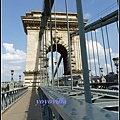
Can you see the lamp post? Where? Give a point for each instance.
(116, 63)
(19, 83)
(12, 72)
(11, 85)
(101, 71)
(102, 77)
(19, 77)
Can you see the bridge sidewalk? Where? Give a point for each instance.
(24, 109)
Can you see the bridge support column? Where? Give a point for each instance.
(83, 53)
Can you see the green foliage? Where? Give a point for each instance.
(7, 88)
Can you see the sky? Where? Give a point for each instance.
(14, 39)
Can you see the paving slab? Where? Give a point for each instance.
(25, 109)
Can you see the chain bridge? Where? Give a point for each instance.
(80, 94)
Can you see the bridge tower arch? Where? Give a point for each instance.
(31, 24)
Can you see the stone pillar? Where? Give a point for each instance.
(77, 59)
(31, 74)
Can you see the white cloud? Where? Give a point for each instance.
(12, 55)
(95, 30)
(108, 66)
(113, 55)
(54, 58)
(12, 59)
(8, 48)
(92, 72)
(92, 60)
(100, 50)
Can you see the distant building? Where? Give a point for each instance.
(111, 77)
(66, 80)
(108, 78)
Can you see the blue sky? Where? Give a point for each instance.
(14, 39)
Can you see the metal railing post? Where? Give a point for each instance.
(69, 43)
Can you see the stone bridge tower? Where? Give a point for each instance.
(31, 24)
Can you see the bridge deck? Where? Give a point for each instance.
(24, 109)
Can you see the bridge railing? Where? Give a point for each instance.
(10, 97)
(60, 105)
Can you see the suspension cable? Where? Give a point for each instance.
(46, 62)
(69, 43)
(97, 52)
(93, 53)
(104, 48)
(117, 2)
(40, 62)
(109, 48)
(43, 61)
(41, 58)
(104, 11)
(80, 55)
(56, 41)
(89, 54)
(51, 46)
(46, 55)
(75, 53)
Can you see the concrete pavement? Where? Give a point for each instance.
(25, 109)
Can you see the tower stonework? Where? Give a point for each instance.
(31, 23)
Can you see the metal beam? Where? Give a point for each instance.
(57, 65)
(45, 16)
(78, 110)
(102, 91)
(112, 17)
(108, 19)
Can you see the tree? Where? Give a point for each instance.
(7, 88)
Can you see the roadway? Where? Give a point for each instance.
(25, 109)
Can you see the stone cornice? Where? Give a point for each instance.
(31, 72)
(57, 13)
(32, 21)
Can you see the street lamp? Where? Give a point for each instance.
(55, 62)
(116, 63)
(12, 71)
(19, 77)
(101, 71)
(11, 85)
(19, 81)
(102, 77)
